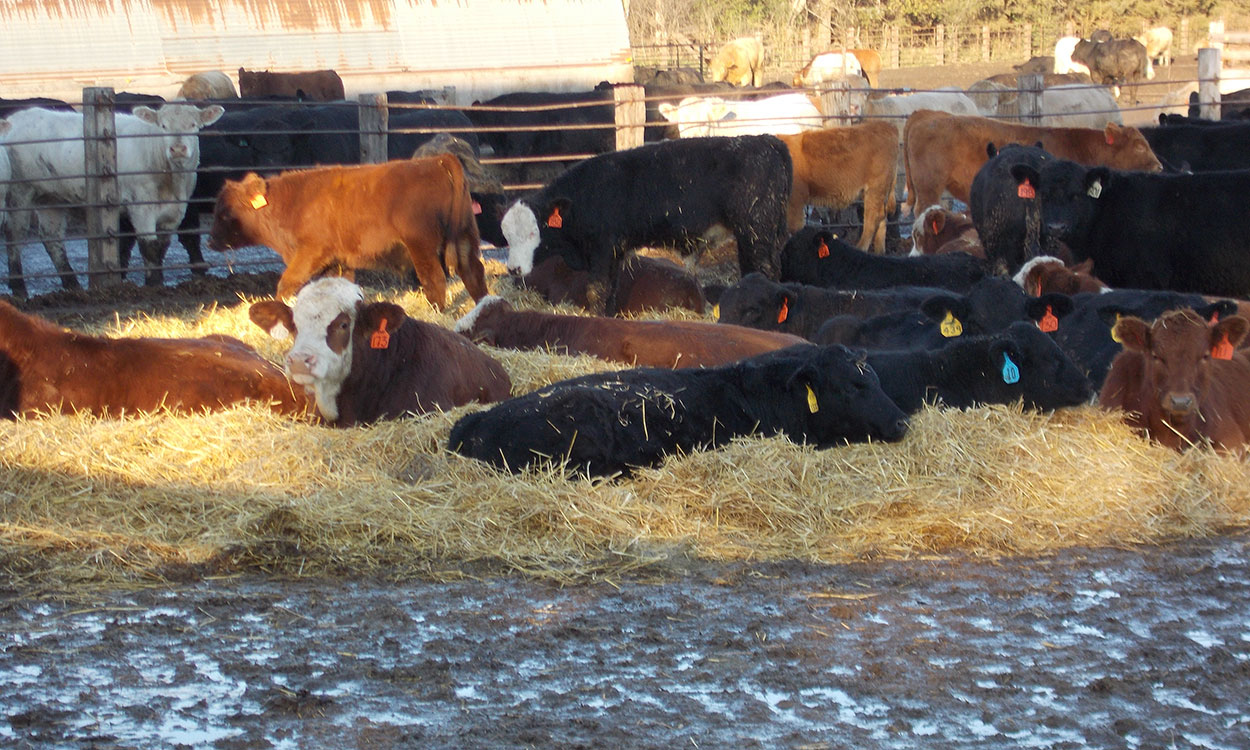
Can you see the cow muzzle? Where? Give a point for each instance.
(1180, 404)
(299, 367)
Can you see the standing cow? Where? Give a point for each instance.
(739, 62)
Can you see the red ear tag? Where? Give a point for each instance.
(477, 208)
(1110, 140)
(935, 226)
(555, 221)
(1222, 349)
(823, 250)
(380, 338)
(1025, 190)
(784, 312)
(1215, 318)
(1049, 322)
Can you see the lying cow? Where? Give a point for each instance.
(1181, 380)
(814, 256)
(640, 343)
(937, 231)
(1019, 364)
(50, 368)
(664, 194)
(944, 152)
(699, 116)
(615, 422)
(364, 362)
(1049, 275)
(645, 284)
(739, 61)
(414, 212)
(834, 166)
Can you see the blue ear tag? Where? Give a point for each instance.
(1011, 373)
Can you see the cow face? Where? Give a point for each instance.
(181, 124)
(757, 302)
(843, 399)
(479, 323)
(235, 212)
(534, 237)
(1070, 195)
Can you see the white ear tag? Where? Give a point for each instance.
(1095, 189)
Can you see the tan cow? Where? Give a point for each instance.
(832, 167)
(740, 62)
(944, 152)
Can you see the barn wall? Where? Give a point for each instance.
(480, 47)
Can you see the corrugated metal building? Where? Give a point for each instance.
(480, 47)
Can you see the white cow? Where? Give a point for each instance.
(828, 66)
(1158, 44)
(158, 151)
(897, 107)
(712, 115)
(1078, 105)
(1063, 56)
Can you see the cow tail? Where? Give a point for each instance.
(908, 188)
(462, 251)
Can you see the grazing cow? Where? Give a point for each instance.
(211, 84)
(834, 166)
(314, 85)
(1158, 43)
(1184, 232)
(1181, 380)
(697, 117)
(387, 215)
(1209, 147)
(1049, 275)
(759, 302)
(828, 66)
(1019, 364)
(814, 256)
(50, 368)
(515, 113)
(157, 154)
(1116, 63)
(640, 343)
(739, 62)
(943, 151)
(938, 231)
(614, 422)
(644, 284)
(364, 362)
(669, 194)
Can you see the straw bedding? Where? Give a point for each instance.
(157, 496)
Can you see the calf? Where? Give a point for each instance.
(645, 284)
(938, 231)
(1021, 363)
(669, 194)
(388, 215)
(49, 368)
(641, 343)
(364, 362)
(814, 256)
(1181, 380)
(1049, 275)
(944, 152)
(616, 422)
(834, 166)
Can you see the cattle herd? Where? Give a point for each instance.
(1094, 260)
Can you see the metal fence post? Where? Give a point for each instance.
(374, 119)
(99, 130)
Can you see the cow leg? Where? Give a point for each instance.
(470, 269)
(189, 238)
(426, 261)
(17, 284)
(153, 250)
(303, 266)
(51, 231)
(873, 231)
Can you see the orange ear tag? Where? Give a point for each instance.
(935, 226)
(1215, 318)
(380, 338)
(555, 221)
(1025, 190)
(1049, 322)
(823, 250)
(258, 201)
(784, 312)
(1223, 349)
(1110, 140)
(477, 208)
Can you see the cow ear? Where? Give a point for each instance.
(990, 151)
(274, 317)
(937, 221)
(1059, 305)
(1085, 266)
(1133, 333)
(253, 183)
(1024, 174)
(211, 114)
(147, 114)
(371, 317)
(800, 388)
(1234, 327)
(937, 306)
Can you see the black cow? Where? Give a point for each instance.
(814, 256)
(1185, 232)
(1118, 62)
(667, 194)
(614, 422)
(759, 302)
(1217, 146)
(1019, 363)
(1234, 105)
(529, 109)
(989, 307)
(1006, 210)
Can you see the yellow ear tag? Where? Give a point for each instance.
(812, 406)
(1114, 336)
(951, 327)
(716, 311)
(258, 201)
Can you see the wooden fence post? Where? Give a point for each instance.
(631, 116)
(940, 42)
(1209, 83)
(99, 131)
(1031, 99)
(374, 120)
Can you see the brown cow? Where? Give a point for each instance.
(365, 362)
(939, 230)
(644, 284)
(414, 212)
(1181, 380)
(47, 367)
(313, 85)
(944, 152)
(832, 167)
(1046, 274)
(639, 343)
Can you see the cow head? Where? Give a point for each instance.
(841, 396)
(1071, 197)
(757, 302)
(479, 323)
(535, 233)
(329, 319)
(180, 124)
(1177, 352)
(239, 204)
(1036, 369)
(1128, 149)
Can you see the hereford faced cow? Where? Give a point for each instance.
(667, 194)
(1182, 380)
(944, 152)
(415, 212)
(938, 231)
(614, 422)
(739, 62)
(50, 368)
(641, 343)
(314, 85)
(834, 166)
(364, 362)
(1046, 274)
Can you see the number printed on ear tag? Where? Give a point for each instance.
(951, 327)
(1011, 373)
